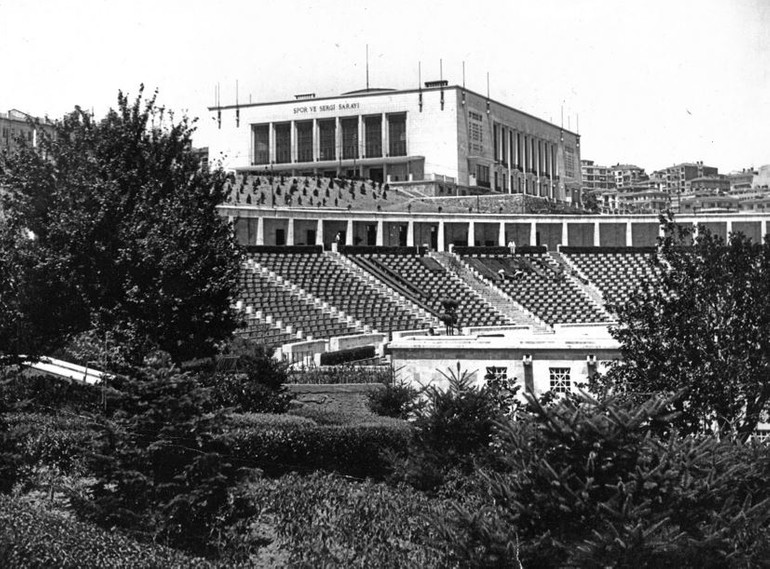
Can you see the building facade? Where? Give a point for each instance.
(15, 125)
(596, 177)
(439, 132)
(627, 175)
(678, 175)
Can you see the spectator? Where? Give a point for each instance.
(512, 246)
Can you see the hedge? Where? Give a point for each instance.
(344, 356)
(355, 450)
(33, 537)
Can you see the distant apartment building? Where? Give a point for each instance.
(596, 177)
(762, 177)
(16, 125)
(741, 179)
(676, 176)
(627, 175)
(708, 184)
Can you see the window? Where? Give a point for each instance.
(305, 141)
(349, 137)
(261, 143)
(482, 175)
(327, 134)
(373, 134)
(475, 134)
(560, 379)
(498, 373)
(397, 135)
(283, 143)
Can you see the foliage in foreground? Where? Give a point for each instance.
(598, 484)
(31, 536)
(702, 327)
(125, 238)
(324, 520)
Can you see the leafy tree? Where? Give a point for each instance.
(703, 328)
(127, 236)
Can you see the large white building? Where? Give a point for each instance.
(437, 133)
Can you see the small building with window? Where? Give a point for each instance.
(425, 136)
(560, 361)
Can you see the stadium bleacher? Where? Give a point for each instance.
(539, 284)
(426, 282)
(616, 271)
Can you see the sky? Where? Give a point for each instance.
(652, 82)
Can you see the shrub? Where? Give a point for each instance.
(356, 450)
(33, 537)
(246, 378)
(324, 520)
(590, 483)
(454, 428)
(345, 356)
(339, 374)
(161, 466)
(395, 399)
(27, 391)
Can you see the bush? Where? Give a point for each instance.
(33, 537)
(395, 399)
(246, 378)
(590, 483)
(333, 375)
(34, 392)
(356, 450)
(454, 429)
(161, 467)
(324, 520)
(345, 356)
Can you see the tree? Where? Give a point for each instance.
(702, 328)
(127, 236)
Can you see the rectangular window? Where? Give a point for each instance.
(305, 141)
(282, 143)
(261, 143)
(560, 379)
(495, 372)
(496, 146)
(327, 134)
(482, 175)
(475, 134)
(349, 137)
(397, 135)
(373, 136)
(569, 161)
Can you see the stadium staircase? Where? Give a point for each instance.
(426, 318)
(581, 281)
(341, 322)
(488, 292)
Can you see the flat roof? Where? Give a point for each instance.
(378, 92)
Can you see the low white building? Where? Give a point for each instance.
(559, 360)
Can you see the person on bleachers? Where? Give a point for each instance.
(512, 246)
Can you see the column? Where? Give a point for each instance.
(763, 229)
(471, 234)
(293, 142)
(597, 234)
(260, 231)
(533, 234)
(501, 235)
(271, 143)
(316, 139)
(564, 234)
(440, 245)
(695, 230)
(385, 148)
(380, 239)
(410, 234)
(338, 140)
(361, 148)
(629, 235)
(349, 233)
(661, 231)
(728, 228)
(319, 232)
(290, 232)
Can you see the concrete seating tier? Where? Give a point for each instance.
(539, 284)
(310, 191)
(266, 333)
(616, 272)
(292, 310)
(428, 282)
(325, 279)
